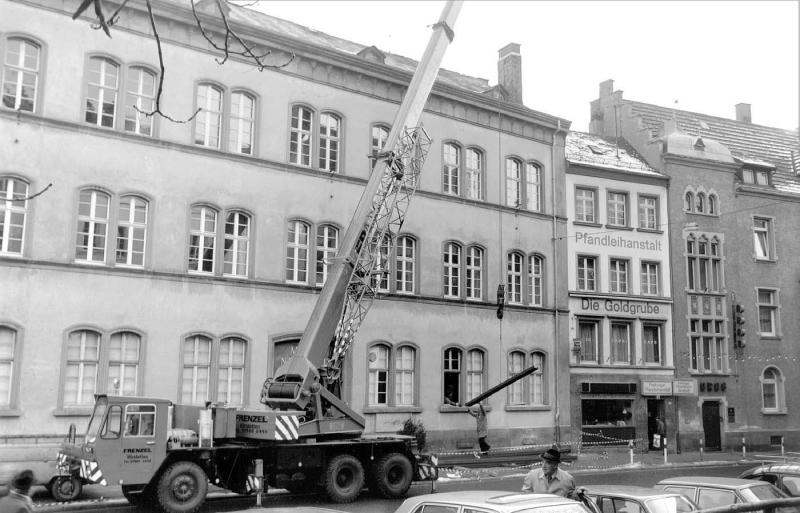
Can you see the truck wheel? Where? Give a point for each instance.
(137, 495)
(392, 475)
(344, 478)
(66, 488)
(182, 488)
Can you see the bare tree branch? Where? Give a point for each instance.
(26, 198)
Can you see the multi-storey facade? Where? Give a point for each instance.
(622, 356)
(182, 259)
(733, 205)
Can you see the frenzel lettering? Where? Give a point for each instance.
(617, 242)
(135, 451)
(251, 418)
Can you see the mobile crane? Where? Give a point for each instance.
(164, 454)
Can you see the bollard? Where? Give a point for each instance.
(664, 445)
(701, 449)
(744, 448)
(630, 450)
(259, 471)
(783, 454)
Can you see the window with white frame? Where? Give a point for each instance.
(704, 264)
(620, 343)
(92, 233)
(585, 205)
(300, 136)
(21, 74)
(202, 239)
(405, 264)
(618, 275)
(451, 368)
(379, 280)
(378, 385)
(516, 390)
(9, 366)
(535, 289)
(208, 121)
(772, 391)
(650, 279)
(474, 273)
(391, 375)
(617, 214)
(451, 274)
(538, 384)
(648, 212)
(213, 369)
(588, 334)
(131, 231)
(405, 362)
(13, 214)
(513, 183)
(241, 125)
(533, 187)
(755, 176)
(476, 364)
(327, 245)
(514, 270)
(767, 312)
(707, 350)
(297, 252)
(474, 174)
(380, 133)
(329, 142)
(524, 184)
(236, 247)
(451, 169)
(651, 342)
(100, 363)
(531, 390)
(140, 99)
(101, 92)
(587, 273)
(763, 238)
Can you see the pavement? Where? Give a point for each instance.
(496, 464)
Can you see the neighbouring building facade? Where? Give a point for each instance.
(734, 206)
(141, 256)
(620, 295)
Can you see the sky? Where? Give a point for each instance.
(699, 56)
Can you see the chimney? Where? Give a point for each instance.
(606, 88)
(743, 112)
(509, 71)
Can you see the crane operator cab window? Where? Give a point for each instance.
(139, 419)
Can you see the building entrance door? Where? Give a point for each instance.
(655, 408)
(711, 425)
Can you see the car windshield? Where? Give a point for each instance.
(761, 493)
(669, 505)
(558, 508)
(97, 418)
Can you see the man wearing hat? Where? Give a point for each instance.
(17, 500)
(549, 478)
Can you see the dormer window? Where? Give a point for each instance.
(755, 176)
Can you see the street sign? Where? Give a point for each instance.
(684, 387)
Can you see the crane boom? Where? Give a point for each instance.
(348, 290)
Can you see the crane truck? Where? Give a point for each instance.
(165, 455)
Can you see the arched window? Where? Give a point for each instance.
(327, 244)
(92, 226)
(21, 74)
(208, 122)
(391, 375)
(297, 252)
(451, 261)
(329, 142)
(13, 214)
(514, 269)
(533, 187)
(701, 202)
(81, 371)
(516, 391)
(538, 383)
(474, 273)
(772, 392)
(196, 369)
(236, 252)
(124, 349)
(476, 363)
(405, 264)
(230, 369)
(241, 127)
(140, 91)
(712, 204)
(101, 92)
(379, 279)
(405, 359)
(451, 169)
(9, 366)
(380, 133)
(451, 367)
(132, 230)
(535, 292)
(203, 239)
(474, 174)
(688, 202)
(513, 183)
(300, 136)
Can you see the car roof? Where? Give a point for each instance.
(784, 468)
(498, 499)
(627, 491)
(719, 482)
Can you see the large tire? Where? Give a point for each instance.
(392, 475)
(182, 488)
(66, 488)
(344, 478)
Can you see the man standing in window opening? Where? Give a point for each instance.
(482, 426)
(550, 479)
(450, 396)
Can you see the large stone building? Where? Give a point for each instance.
(620, 295)
(182, 259)
(734, 206)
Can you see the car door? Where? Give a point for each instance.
(790, 485)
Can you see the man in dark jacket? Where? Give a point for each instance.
(17, 500)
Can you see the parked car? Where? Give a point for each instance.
(492, 501)
(785, 476)
(711, 492)
(637, 499)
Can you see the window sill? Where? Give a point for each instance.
(760, 260)
(773, 412)
(649, 230)
(77, 411)
(12, 412)
(542, 407)
(445, 408)
(618, 227)
(587, 223)
(769, 336)
(393, 409)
